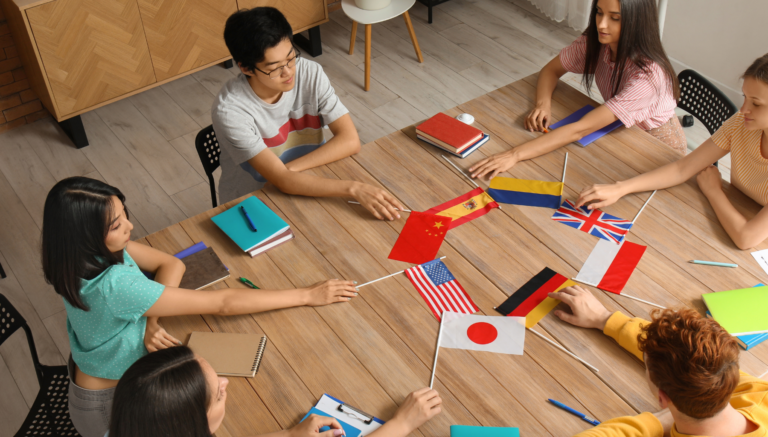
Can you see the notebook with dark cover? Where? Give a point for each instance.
(204, 268)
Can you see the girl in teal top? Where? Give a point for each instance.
(112, 308)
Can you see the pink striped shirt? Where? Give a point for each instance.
(644, 99)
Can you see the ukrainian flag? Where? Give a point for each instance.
(525, 192)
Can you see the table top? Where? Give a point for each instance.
(374, 350)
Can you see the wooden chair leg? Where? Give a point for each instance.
(367, 57)
(352, 39)
(413, 35)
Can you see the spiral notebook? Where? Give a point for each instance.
(230, 354)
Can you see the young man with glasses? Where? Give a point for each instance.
(269, 119)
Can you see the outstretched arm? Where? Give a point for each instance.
(345, 142)
(541, 116)
(674, 173)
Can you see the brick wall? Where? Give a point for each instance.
(18, 103)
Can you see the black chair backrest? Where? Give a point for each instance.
(10, 322)
(208, 149)
(704, 100)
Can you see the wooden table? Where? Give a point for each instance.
(374, 350)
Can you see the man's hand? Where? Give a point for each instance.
(379, 202)
(586, 310)
(155, 337)
(331, 291)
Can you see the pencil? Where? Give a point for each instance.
(713, 263)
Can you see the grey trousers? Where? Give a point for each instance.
(89, 409)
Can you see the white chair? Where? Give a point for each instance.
(397, 7)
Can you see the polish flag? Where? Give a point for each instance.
(503, 335)
(610, 265)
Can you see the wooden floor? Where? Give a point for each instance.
(144, 144)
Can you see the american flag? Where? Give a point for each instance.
(440, 289)
(593, 222)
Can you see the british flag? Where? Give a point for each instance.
(593, 222)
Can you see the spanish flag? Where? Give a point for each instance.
(531, 300)
(525, 192)
(465, 208)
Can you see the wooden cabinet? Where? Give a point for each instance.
(82, 54)
(301, 14)
(185, 34)
(92, 50)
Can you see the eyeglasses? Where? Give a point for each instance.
(274, 74)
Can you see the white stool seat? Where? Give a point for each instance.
(395, 9)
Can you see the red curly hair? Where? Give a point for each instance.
(692, 359)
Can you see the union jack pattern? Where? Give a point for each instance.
(593, 222)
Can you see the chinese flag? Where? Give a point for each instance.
(420, 238)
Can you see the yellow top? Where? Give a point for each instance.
(750, 397)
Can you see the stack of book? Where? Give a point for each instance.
(451, 135)
(737, 305)
(253, 226)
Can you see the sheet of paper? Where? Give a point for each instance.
(761, 256)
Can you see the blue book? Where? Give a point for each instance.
(464, 153)
(751, 340)
(589, 139)
(235, 224)
(483, 431)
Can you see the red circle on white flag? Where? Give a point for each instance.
(482, 333)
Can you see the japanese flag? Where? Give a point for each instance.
(503, 335)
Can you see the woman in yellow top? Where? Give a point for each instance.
(745, 136)
(692, 366)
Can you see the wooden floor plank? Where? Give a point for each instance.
(12, 412)
(336, 37)
(486, 76)
(55, 150)
(213, 78)
(369, 125)
(148, 203)
(148, 146)
(193, 98)
(164, 114)
(194, 200)
(398, 113)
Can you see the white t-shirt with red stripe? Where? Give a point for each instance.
(245, 125)
(644, 99)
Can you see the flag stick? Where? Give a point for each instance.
(385, 277)
(563, 349)
(766, 373)
(641, 209)
(460, 170)
(437, 349)
(565, 164)
(358, 203)
(643, 301)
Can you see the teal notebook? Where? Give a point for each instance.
(235, 225)
(483, 431)
(740, 312)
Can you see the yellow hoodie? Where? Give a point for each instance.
(750, 397)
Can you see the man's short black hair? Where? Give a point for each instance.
(250, 32)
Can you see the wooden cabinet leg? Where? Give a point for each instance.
(229, 64)
(367, 57)
(415, 42)
(352, 38)
(75, 130)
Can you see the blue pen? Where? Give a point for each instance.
(247, 217)
(581, 416)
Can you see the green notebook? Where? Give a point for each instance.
(740, 312)
(235, 225)
(483, 431)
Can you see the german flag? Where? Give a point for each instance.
(531, 300)
(465, 208)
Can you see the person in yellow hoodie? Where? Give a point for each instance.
(692, 366)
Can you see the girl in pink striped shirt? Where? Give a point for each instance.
(621, 52)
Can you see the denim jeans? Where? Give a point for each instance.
(89, 409)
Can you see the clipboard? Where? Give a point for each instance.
(356, 423)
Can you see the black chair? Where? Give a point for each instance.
(704, 100)
(208, 149)
(49, 415)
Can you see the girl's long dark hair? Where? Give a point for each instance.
(639, 42)
(76, 220)
(162, 394)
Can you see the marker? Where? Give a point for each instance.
(581, 416)
(248, 283)
(247, 217)
(713, 263)
(546, 131)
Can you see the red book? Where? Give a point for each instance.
(450, 131)
(420, 238)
